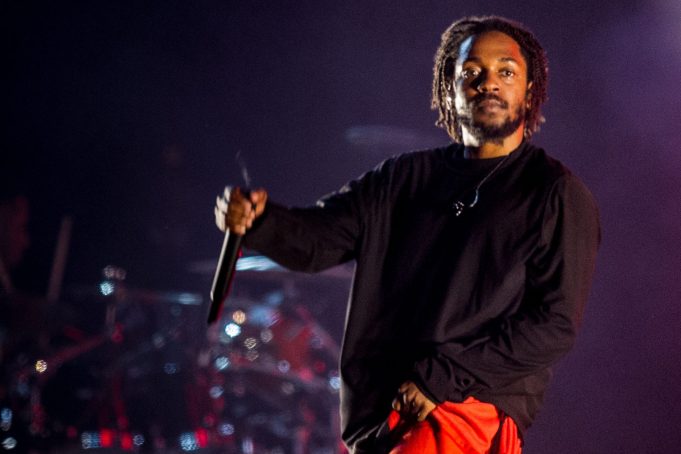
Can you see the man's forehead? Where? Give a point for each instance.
(493, 45)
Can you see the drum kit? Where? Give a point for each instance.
(135, 370)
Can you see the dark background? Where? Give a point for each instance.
(126, 116)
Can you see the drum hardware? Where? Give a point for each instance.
(273, 377)
(264, 379)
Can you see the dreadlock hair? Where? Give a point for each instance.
(448, 52)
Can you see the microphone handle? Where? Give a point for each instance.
(224, 274)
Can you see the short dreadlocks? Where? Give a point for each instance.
(448, 52)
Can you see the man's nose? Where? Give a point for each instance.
(487, 82)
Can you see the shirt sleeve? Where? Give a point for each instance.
(543, 330)
(318, 237)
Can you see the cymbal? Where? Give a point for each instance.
(261, 267)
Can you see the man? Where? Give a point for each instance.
(16, 309)
(473, 261)
(23, 325)
(14, 238)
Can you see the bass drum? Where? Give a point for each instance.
(73, 398)
(272, 380)
(27, 360)
(132, 387)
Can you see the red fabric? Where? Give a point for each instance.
(469, 427)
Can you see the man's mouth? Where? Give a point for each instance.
(489, 103)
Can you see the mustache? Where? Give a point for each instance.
(488, 97)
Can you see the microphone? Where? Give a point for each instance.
(224, 274)
(231, 250)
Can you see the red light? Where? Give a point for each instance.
(123, 422)
(319, 367)
(117, 335)
(126, 442)
(71, 432)
(106, 437)
(201, 437)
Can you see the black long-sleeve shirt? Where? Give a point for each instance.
(481, 304)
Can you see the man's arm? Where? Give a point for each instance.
(305, 239)
(301, 239)
(543, 330)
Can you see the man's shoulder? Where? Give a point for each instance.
(538, 157)
(395, 172)
(555, 174)
(416, 161)
(545, 166)
(424, 154)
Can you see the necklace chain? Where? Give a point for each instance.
(460, 206)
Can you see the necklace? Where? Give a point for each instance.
(459, 206)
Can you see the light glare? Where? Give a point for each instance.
(232, 330)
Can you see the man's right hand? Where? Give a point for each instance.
(236, 212)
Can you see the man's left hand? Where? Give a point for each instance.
(411, 402)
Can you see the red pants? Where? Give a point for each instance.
(467, 428)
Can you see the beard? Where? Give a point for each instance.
(486, 131)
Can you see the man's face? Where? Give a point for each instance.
(490, 87)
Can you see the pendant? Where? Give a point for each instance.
(458, 207)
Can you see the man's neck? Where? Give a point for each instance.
(476, 149)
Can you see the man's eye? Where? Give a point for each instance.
(468, 73)
(507, 73)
